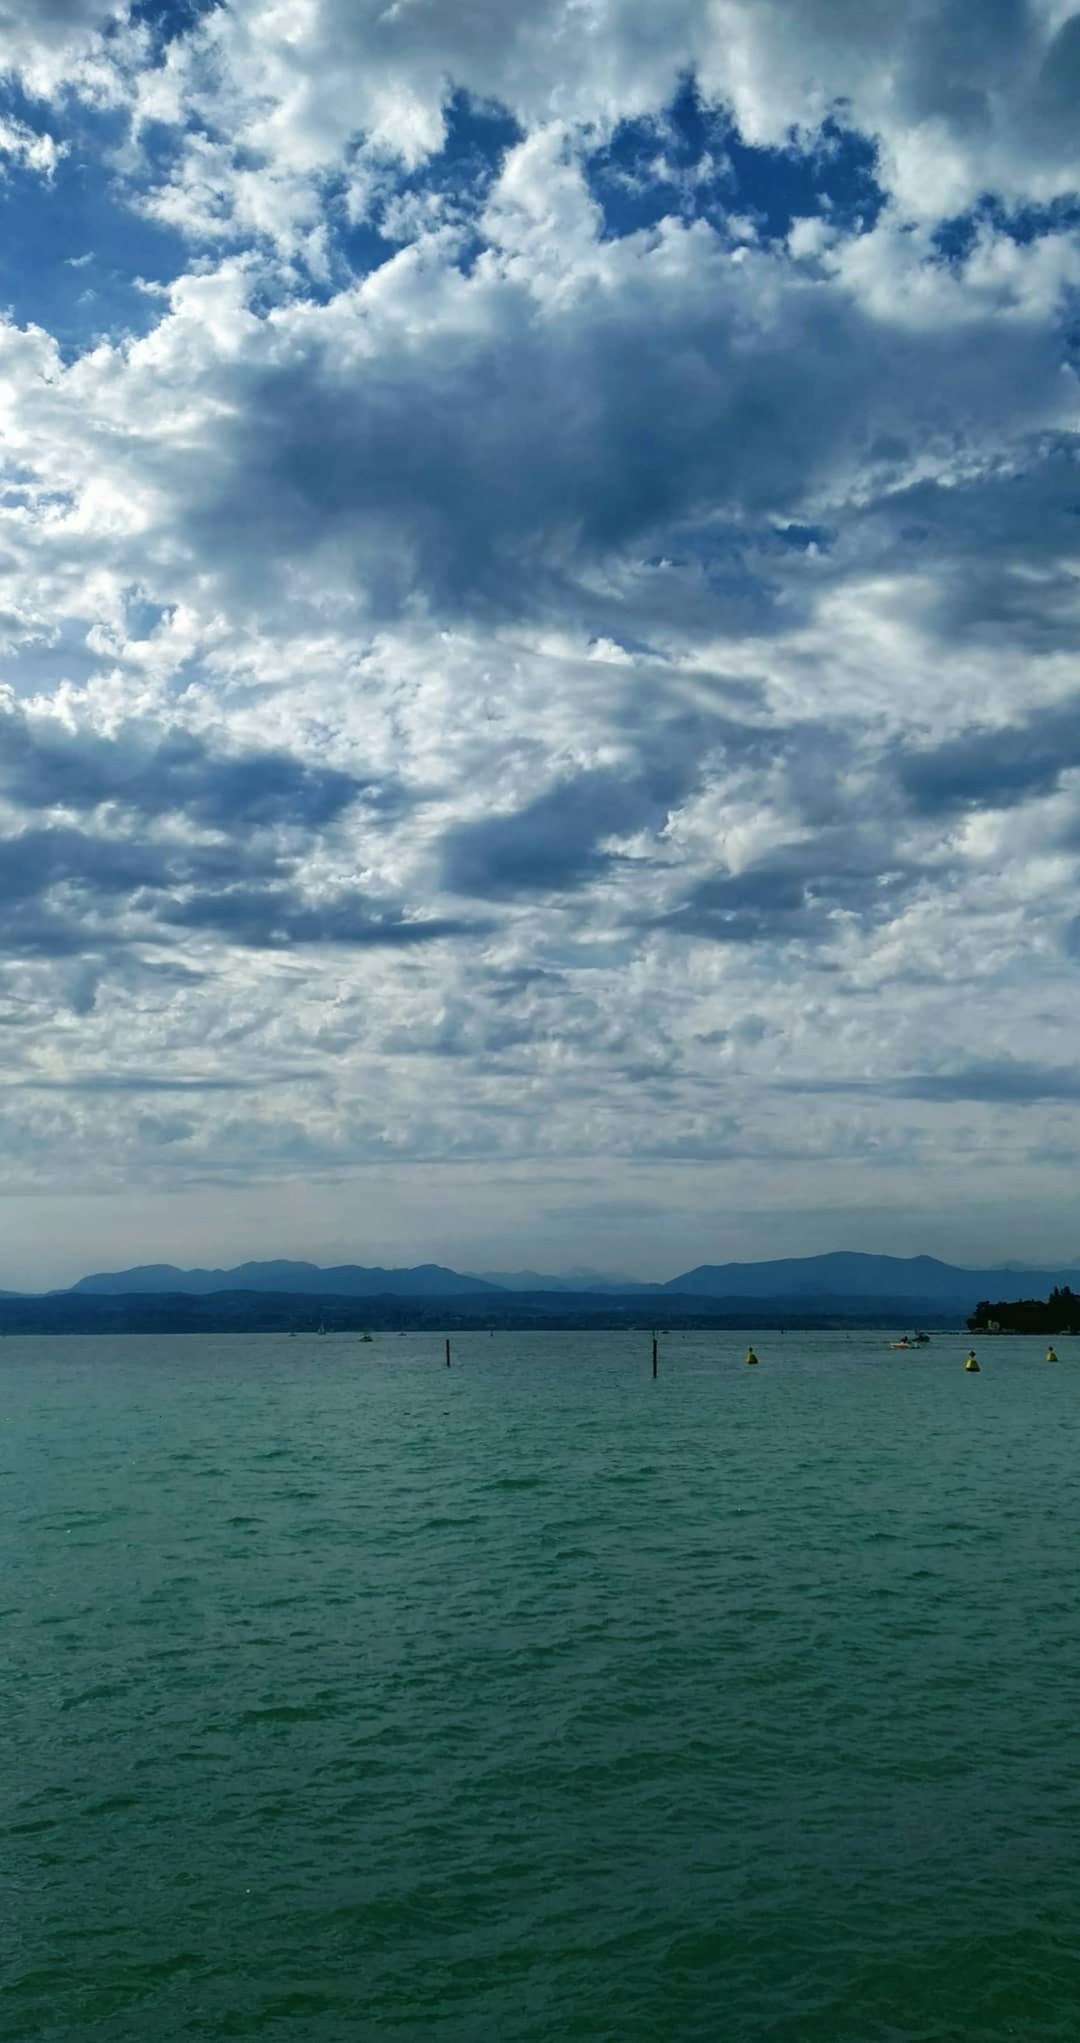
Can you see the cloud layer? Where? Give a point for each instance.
(538, 583)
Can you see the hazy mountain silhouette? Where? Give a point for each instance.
(913, 1283)
(345, 1280)
(566, 1280)
(922, 1280)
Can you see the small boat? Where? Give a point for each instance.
(365, 1337)
(905, 1343)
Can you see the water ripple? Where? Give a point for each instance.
(539, 1701)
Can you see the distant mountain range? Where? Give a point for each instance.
(911, 1285)
(344, 1280)
(920, 1280)
(569, 1280)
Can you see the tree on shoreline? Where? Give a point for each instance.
(1058, 1314)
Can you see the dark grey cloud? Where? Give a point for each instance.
(1005, 1083)
(553, 844)
(32, 930)
(795, 893)
(762, 905)
(43, 765)
(994, 769)
(277, 918)
(146, 1082)
(992, 1082)
(65, 891)
(964, 60)
(989, 553)
(487, 474)
(62, 889)
(35, 861)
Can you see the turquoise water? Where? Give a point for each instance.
(348, 1697)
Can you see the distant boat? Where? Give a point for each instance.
(365, 1337)
(912, 1341)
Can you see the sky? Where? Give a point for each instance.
(539, 578)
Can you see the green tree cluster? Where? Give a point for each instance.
(1058, 1314)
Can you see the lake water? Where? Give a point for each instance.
(348, 1697)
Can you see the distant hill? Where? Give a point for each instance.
(918, 1281)
(346, 1280)
(845, 1283)
(569, 1280)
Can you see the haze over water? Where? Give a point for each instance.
(350, 1697)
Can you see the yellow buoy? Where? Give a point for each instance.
(750, 1355)
(971, 1364)
(1050, 1355)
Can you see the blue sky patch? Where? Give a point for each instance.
(72, 250)
(458, 180)
(691, 163)
(478, 136)
(955, 238)
(167, 19)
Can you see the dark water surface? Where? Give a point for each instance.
(345, 1697)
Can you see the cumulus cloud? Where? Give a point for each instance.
(47, 763)
(558, 840)
(52, 46)
(569, 581)
(958, 101)
(996, 768)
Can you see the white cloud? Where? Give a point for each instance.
(960, 100)
(23, 148)
(53, 46)
(515, 709)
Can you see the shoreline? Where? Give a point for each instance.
(287, 1313)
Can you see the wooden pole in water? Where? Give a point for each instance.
(654, 1356)
(448, 1351)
